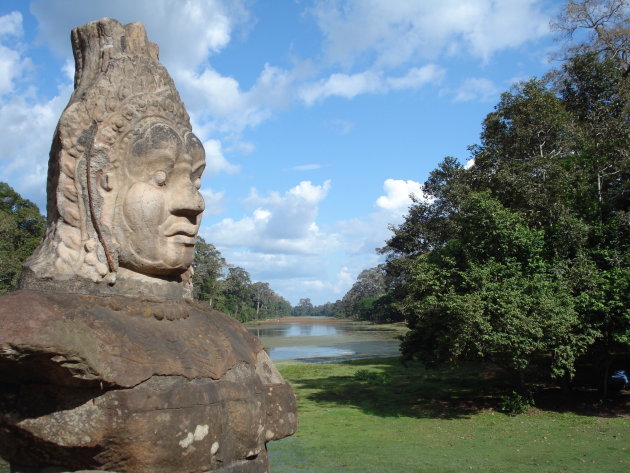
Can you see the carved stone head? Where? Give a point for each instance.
(124, 173)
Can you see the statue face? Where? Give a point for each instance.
(158, 210)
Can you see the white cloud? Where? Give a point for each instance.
(213, 201)
(469, 163)
(389, 33)
(28, 124)
(367, 82)
(12, 64)
(342, 85)
(10, 68)
(417, 77)
(11, 25)
(397, 194)
(280, 241)
(307, 167)
(476, 88)
(215, 161)
(203, 26)
(219, 99)
(243, 147)
(278, 224)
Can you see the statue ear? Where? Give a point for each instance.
(106, 180)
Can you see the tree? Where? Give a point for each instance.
(304, 308)
(209, 268)
(488, 295)
(21, 230)
(263, 297)
(606, 23)
(238, 294)
(229, 288)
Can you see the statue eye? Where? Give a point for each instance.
(197, 182)
(159, 178)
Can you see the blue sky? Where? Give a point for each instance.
(319, 118)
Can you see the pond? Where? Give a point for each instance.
(325, 340)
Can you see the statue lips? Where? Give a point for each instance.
(182, 232)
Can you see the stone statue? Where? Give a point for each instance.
(124, 173)
(106, 364)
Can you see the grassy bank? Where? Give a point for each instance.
(443, 421)
(410, 420)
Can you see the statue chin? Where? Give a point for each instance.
(173, 262)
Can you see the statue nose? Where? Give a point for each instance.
(186, 200)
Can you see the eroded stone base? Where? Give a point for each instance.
(102, 384)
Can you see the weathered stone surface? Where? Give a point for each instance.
(105, 362)
(101, 383)
(123, 178)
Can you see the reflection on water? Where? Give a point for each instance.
(324, 340)
(297, 330)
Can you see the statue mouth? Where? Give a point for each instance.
(184, 239)
(182, 232)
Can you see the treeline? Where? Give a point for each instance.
(523, 258)
(229, 288)
(369, 299)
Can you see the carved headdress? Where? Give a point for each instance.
(119, 85)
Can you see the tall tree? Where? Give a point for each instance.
(209, 268)
(606, 23)
(238, 293)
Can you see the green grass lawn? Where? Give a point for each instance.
(411, 420)
(440, 421)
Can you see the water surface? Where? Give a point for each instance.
(322, 339)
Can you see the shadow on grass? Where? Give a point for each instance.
(410, 391)
(394, 390)
(584, 401)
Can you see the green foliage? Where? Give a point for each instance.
(524, 258)
(369, 377)
(489, 295)
(209, 267)
(229, 288)
(21, 230)
(515, 403)
(304, 308)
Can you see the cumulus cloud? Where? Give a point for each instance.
(397, 194)
(280, 240)
(187, 33)
(12, 64)
(11, 25)
(28, 126)
(27, 120)
(219, 100)
(342, 85)
(279, 223)
(213, 200)
(368, 82)
(417, 77)
(393, 32)
(203, 26)
(215, 160)
(476, 88)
